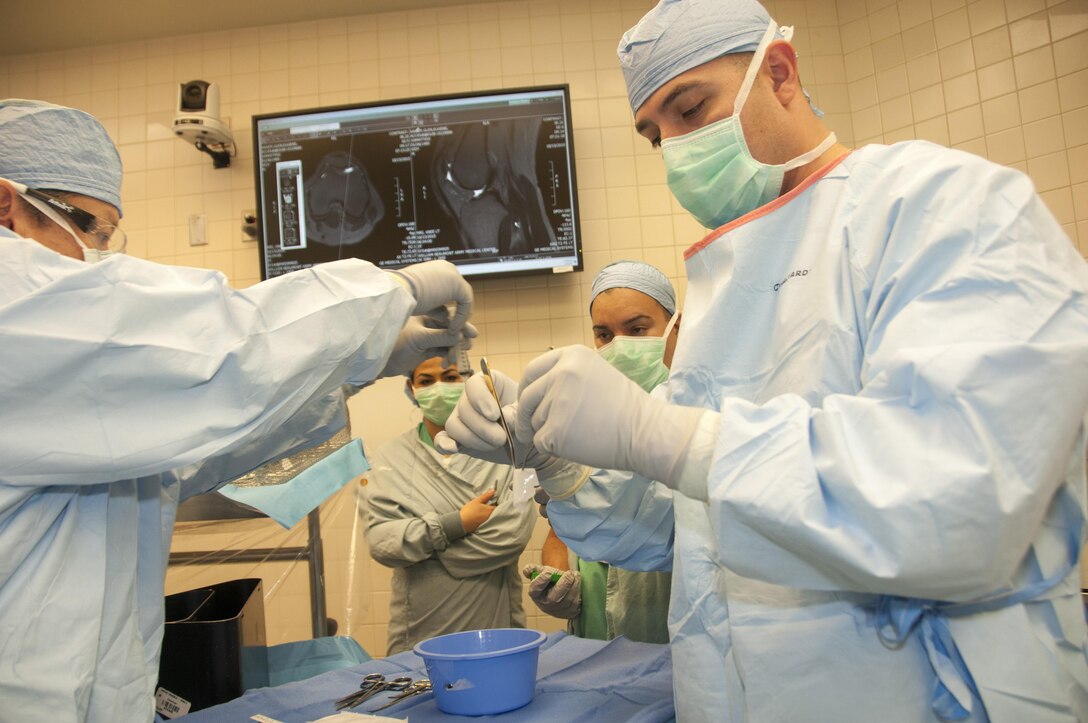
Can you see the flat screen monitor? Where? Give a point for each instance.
(484, 180)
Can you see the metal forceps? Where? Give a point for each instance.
(502, 419)
(417, 688)
(372, 684)
(490, 382)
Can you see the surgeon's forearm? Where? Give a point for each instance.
(554, 552)
(669, 445)
(695, 470)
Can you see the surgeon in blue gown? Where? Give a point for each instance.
(126, 386)
(875, 418)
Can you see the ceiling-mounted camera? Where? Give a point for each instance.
(197, 121)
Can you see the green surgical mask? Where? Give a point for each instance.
(438, 400)
(640, 358)
(711, 171)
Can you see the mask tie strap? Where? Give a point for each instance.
(753, 68)
(670, 325)
(812, 155)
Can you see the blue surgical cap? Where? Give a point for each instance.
(49, 146)
(638, 276)
(679, 35)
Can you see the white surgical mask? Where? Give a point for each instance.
(711, 171)
(640, 358)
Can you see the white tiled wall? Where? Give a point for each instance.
(1007, 79)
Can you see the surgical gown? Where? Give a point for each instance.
(898, 352)
(127, 386)
(444, 581)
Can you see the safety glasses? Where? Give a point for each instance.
(96, 232)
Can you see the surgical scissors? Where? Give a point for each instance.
(417, 688)
(372, 684)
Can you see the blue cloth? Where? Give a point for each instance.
(303, 659)
(289, 502)
(578, 681)
(678, 35)
(49, 146)
(898, 355)
(638, 276)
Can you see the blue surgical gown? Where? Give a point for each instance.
(127, 386)
(898, 353)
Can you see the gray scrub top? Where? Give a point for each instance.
(444, 581)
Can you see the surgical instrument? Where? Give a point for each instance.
(417, 688)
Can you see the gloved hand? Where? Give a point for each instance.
(561, 599)
(435, 284)
(422, 338)
(575, 405)
(542, 498)
(474, 428)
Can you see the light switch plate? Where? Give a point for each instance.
(197, 227)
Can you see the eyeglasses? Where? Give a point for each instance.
(97, 232)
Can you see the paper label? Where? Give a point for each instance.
(263, 719)
(169, 705)
(524, 484)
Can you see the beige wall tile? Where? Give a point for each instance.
(1016, 9)
(913, 13)
(997, 79)
(1035, 66)
(863, 93)
(957, 59)
(859, 64)
(991, 46)
(961, 91)
(1067, 18)
(1001, 113)
(1049, 172)
(919, 40)
(924, 71)
(1075, 124)
(951, 27)
(1039, 101)
(1006, 147)
(965, 124)
(1044, 137)
(1029, 33)
(985, 15)
(1078, 163)
(1073, 90)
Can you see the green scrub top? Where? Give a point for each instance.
(591, 621)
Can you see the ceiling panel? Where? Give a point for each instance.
(44, 26)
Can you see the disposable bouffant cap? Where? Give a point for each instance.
(678, 35)
(49, 146)
(638, 276)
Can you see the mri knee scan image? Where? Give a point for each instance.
(485, 179)
(486, 182)
(342, 205)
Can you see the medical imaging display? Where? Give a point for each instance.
(485, 181)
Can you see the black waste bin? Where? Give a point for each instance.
(213, 646)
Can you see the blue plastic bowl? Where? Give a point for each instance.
(482, 672)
